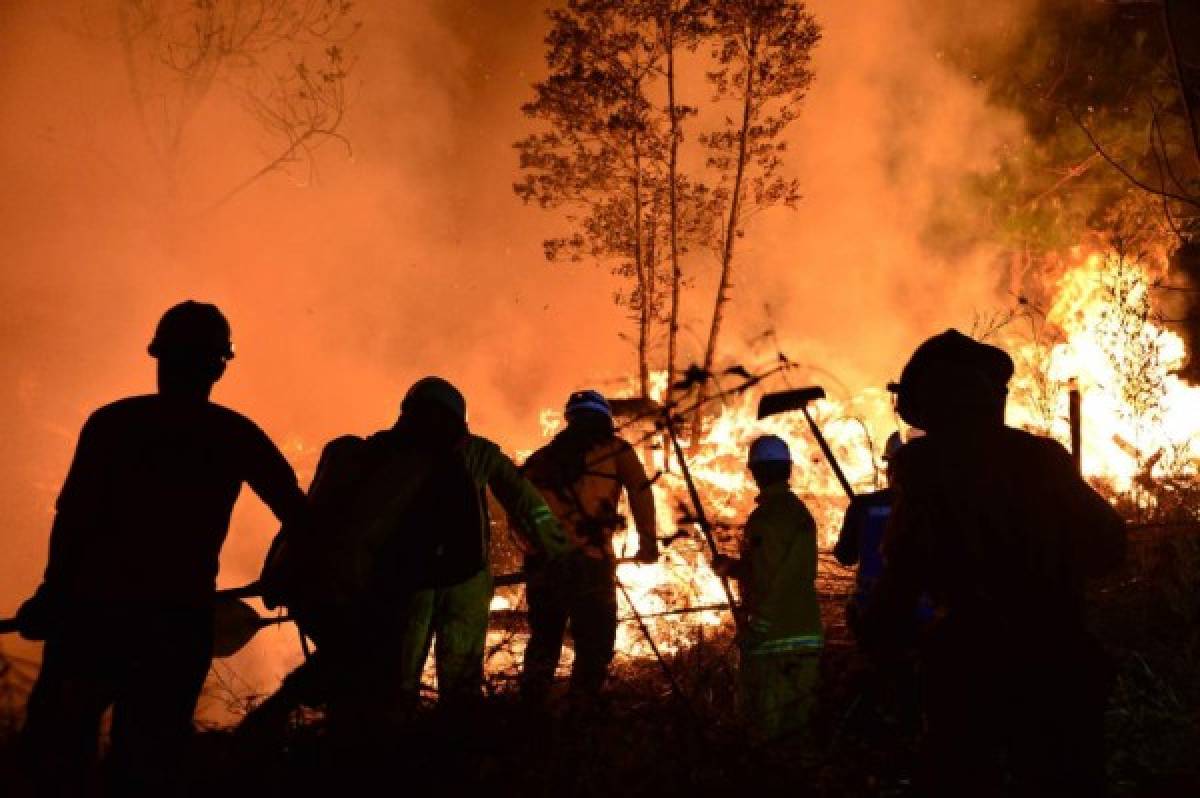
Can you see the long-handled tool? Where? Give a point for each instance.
(235, 623)
(799, 399)
(648, 408)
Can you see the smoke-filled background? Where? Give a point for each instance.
(412, 255)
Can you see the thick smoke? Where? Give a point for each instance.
(413, 256)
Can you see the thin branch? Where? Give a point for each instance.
(1115, 164)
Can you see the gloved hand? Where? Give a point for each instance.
(555, 542)
(647, 554)
(38, 616)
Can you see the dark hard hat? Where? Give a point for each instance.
(588, 401)
(769, 449)
(952, 376)
(193, 330)
(436, 391)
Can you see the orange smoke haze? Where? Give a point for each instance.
(413, 255)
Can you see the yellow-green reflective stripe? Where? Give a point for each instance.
(796, 643)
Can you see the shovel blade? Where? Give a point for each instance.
(785, 401)
(234, 625)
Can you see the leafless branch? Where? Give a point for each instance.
(1128, 175)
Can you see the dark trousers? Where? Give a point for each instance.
(149, 666)
(577, 592)
(1028, 723)
(354, 673)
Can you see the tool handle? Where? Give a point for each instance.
(274, 620)
(833, 463)
(698, 506)
(8, 625)
(252, 590)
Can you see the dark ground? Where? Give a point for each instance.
(649, 741)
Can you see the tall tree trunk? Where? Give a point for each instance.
(651, 232)
(644, 286)
(731, 226)
(673, 187)
(676, 272)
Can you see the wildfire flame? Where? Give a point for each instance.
(1100, 335)
(683, 579)
(1139, 417)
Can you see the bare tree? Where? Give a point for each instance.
(680, 24)
(282, 59)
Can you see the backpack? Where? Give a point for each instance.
(385, 519)
(441, 537)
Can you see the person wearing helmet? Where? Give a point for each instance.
(454, 618)
(782, 635)
(398, 562)
(582, 473)
(126, 604)
(887, 682)
(996, 526)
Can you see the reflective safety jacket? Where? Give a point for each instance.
(777, 575)
(492, 469)
(861, 543)
(362, 495)
(588, 508)
(861, 539)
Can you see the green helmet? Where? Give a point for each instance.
(437, 391)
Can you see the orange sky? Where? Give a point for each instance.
(414, 256)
